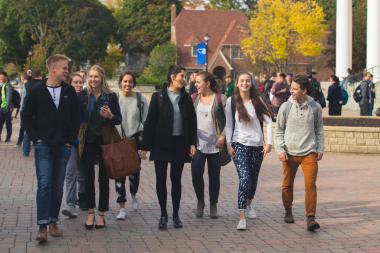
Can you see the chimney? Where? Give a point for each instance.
(173, 14)
(173, 11)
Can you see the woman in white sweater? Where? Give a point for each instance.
(134, 109)
(245, 113)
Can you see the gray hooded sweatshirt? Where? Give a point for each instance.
(300, 133)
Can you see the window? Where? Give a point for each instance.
(194, 51)
(236, 52)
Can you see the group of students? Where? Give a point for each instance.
(68, 125)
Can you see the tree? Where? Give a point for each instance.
(38, 59)
(280, 29)
(161, 57)
(143, 24)
(88, 25)
(195, 4)
(244, 5)
(113, 5)
(112, 60)
(78, 28)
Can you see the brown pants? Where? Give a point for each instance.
(309, 167)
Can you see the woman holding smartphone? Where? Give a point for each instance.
(101, 111)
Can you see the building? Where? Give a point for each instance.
(225, 31)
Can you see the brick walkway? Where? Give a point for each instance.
(348, 211)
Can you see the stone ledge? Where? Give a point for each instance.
(352, 129)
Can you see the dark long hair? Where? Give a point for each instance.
(172, 70)
(259, 103)
(335, 79)
(207, 77)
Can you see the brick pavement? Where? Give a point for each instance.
(348, 211)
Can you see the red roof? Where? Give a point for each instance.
(190, 26)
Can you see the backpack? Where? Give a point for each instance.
(344, 95)
(316, 93)
(357, 94)
(16, 98)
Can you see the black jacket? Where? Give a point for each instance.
(334, 96)
(43, 121)
(158, 126)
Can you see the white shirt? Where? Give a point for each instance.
(55, 93)
(247, 133)
(206, 130)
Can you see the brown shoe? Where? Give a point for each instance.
(312, 225)
(54, 230)
(288, 216)
(42, 235)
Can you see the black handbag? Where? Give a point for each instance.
(224, 157)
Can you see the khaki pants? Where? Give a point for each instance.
(309, 167)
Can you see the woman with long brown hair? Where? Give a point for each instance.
(246, 111)
(209, 107)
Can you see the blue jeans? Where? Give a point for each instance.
(71, 178)
(50, 170)
(25, 145)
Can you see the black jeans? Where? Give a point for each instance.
(6, 117)
(176, 168)
(197, 170)
(91, 152)
(335, 110)
(134, 182)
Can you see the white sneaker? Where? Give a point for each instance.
(242, 225)
(69, 212)
(251, 213)
(135, 204)
(122, 214)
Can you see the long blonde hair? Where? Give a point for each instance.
(104, 85)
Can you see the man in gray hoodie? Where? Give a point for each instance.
(299, 141)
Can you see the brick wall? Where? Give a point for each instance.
(352, 139)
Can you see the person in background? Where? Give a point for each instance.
(74, 168)
(230, 86)
(34, 82)
(365, 102)
(268, 86)
(280, 92)
(191, 86)
(289, 79)
(170, 134)
(372, 90)
(335, 97)
(23, 81)
(6, 106)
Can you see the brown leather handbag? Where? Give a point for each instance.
(121, 158)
